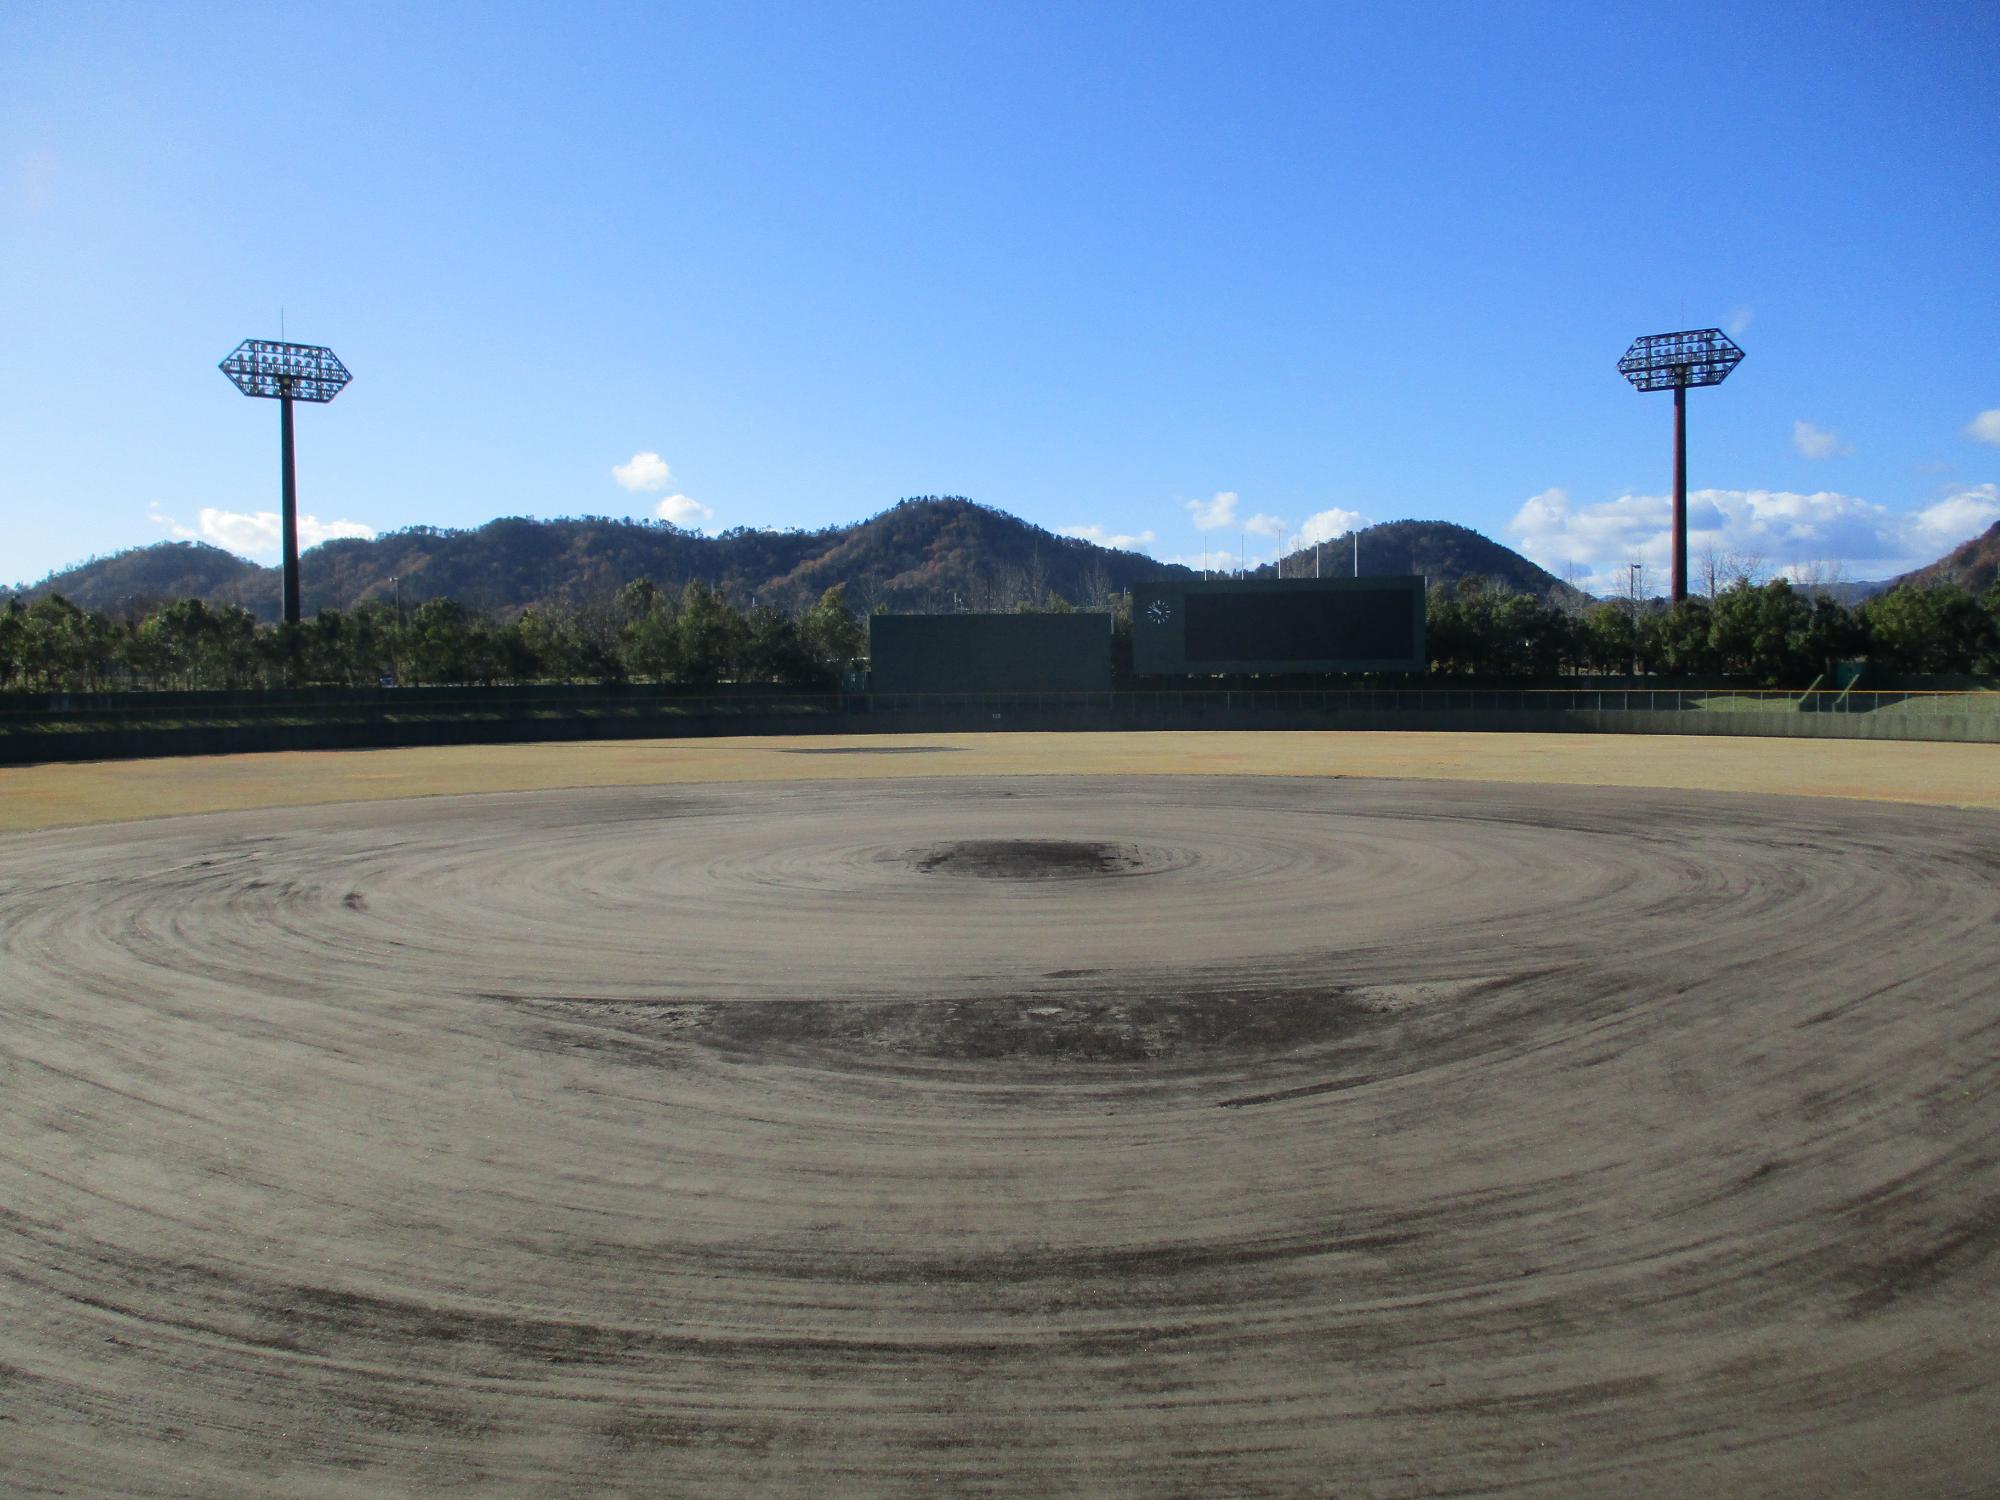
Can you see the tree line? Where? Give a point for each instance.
(1770, 634)
(692, 636)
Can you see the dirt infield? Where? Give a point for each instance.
(1942, 775)
(864, 1118)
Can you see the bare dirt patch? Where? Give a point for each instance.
(1027, 859)
(1388, 1137)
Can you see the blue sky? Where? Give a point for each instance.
(1188, 275)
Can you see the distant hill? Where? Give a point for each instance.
(131, 583)
(930, 553)
(1441, 551)
(1975, 565)
(1849, 594)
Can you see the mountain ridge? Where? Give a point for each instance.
(1442, 551)
(923, 553)
(1974, 564)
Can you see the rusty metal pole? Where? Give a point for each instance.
(290, 521)
(1680, 494)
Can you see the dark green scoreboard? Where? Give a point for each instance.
(1276, 625)
(989, 653)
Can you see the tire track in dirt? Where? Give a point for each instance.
(1125, 1137)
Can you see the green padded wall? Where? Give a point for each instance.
(989, 653)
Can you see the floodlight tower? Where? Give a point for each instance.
(288, 372)
(1675, 361)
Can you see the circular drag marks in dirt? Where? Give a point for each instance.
(883, 1138)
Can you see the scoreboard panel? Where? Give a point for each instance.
(1278, 625)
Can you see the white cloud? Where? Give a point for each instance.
(683, 511)
(1985, 428)
(1818, 442)
(1739, 321)
(1325, 525)
(645, 471)
(254, 533)
(1225, 559)
(1124, 542)
(1783, 528)
(1212, 515)
(313, 531)
(1956, 517)
(174, 528)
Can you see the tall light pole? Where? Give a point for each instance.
(1632, 570)
(1675, 361)
(287, 372)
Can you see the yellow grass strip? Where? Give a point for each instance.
(109, 791)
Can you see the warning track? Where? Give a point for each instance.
(1126, 1136)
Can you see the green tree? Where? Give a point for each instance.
(650, 645)
(438, 644)
(594, 627)
(70, 648)
(498, 653)
(1608, 639)
(710, 635)
(181, 643)
(1448, 632)
(775, 650)
(1987, 661)
(1917, 629)
(337, 648)
(830, 633)
(1484, 631)
(232, 647)
(1834, 633)
(1763, 631)
(1535, 639)
(550, 635)
(1678, 640)
(283, 653)
(13, 641)
(369, 637)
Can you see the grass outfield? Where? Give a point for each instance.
(1935, 774)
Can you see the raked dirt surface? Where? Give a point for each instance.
(1156, 1115)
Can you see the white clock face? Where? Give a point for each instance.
(1159, 611)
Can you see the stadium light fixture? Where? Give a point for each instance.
(286, 373)
(1674, 362)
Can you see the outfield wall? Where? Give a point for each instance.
(504, 716)
(990, 653)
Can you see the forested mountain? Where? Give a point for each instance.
(1440, 550)
(597, 600)
(1974, 566)
(131, 582)
(922, 554)
(929, 553)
